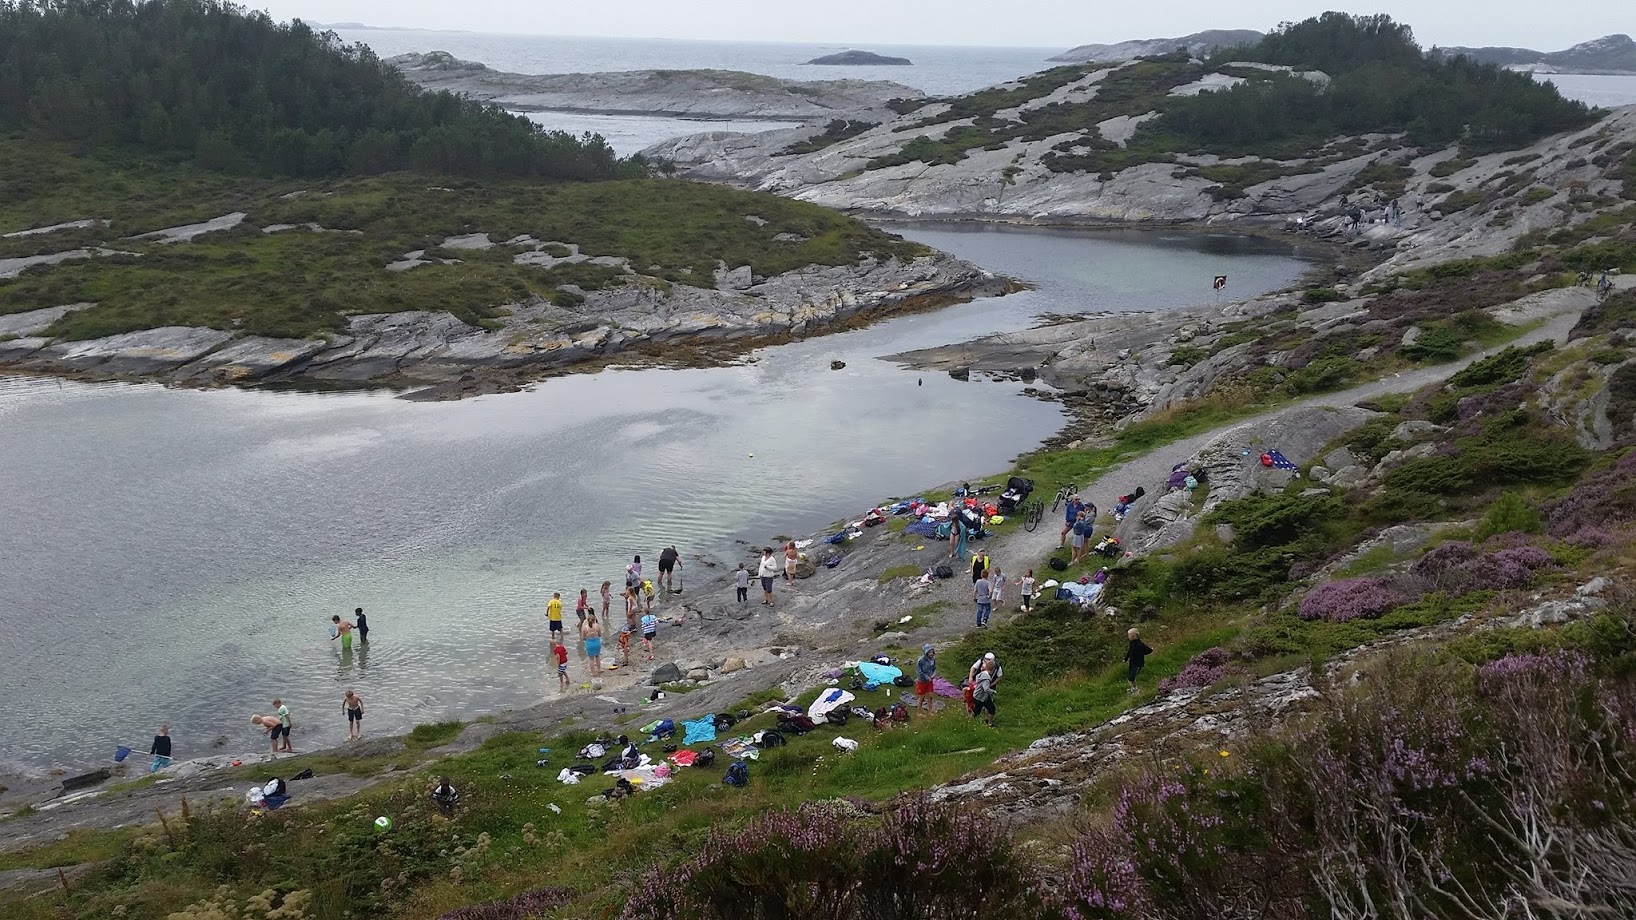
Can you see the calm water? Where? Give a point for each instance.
(938, 70)
(171, 554)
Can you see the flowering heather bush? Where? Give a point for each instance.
(1607, 499)
(1590, 536)
(1553, 665)
(1508, 568)
(1350, 599)
(1207, 667)
(923, 862)
(1444, 559)
(1511, 539)
(528, 904)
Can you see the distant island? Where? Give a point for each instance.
(859, 58)
(1195, 44)
(1610, 54)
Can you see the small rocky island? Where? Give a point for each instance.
(859, 59)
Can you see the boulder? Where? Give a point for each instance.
(733, 665)
(699, 674)
(1349, 477)
(1415, 430)
(1168, 508)
(665, 674)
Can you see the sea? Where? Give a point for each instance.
(937, 70)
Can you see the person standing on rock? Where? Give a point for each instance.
(1135, 656)
(1027, 586)
(160, 749)
(996, 581)
(925, 673)
(741, 583)
(767, 571)
(982, 592)
(650, 630)
(285, 726)
(669, 561)
(979, 565)
(791, 557)
(1072, 515)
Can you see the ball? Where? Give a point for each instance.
(384, 823)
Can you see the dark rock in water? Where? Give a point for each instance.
(665, 673)
(859, 58)
(836, 365)
(1026, 373)
(86, 779)
(960, 373)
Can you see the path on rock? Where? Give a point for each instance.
(1152, 468)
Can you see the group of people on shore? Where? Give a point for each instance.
(639, 619)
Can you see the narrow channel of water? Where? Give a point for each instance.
(176, 555)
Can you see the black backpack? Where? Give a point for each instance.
(796, 725)
(724, 722)
(706, 758)
(1057, 565)
(837, 716)
(903, 680)
(944, 571)
(738, 774)
(771, 739)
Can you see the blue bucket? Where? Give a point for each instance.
(120, 753)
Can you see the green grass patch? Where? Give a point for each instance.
(896, 572)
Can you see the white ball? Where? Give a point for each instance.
(384, 823)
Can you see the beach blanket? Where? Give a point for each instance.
(646, 777)
(700, 730)
(740, 749)
(922, 529)
(833, 698)
(879, 673)
(942, 687)
(1083, 595)
(684, 758)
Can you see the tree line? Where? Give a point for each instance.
(233, 90)
(1380, 81)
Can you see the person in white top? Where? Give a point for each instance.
(1027, 583)
(767, 571)
(978, 666)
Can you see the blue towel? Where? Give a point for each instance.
(879, 673)
(700, 730)
(923, 529)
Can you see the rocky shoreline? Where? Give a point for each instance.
(435, 355)
(702, 94)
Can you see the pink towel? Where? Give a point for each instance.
(942, 687)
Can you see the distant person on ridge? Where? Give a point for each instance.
(669, 559)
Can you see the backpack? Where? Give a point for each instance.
(837, 716)
(1057, 565)
(943, 571)
(796, 725)
(903, 680)
(770, 739)
(724, 722)
(738, 774)
(900, 713)
(706, 758)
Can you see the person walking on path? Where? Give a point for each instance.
(1135, 656)
(342, 630)
(1027, 585)
(982, 693)
(741, 583)
(996, 583)
(591, 631)
(582, 606)
(160, 749)
(1072, 515)
(982, 593)
(979, 565)
(353, 706)
(650, 629)
(285, 725)
(553, 613)
(363, 625)
(669, 561)
(607, 598)
(925, 673)
(791, 557)
(767, 571)
(560, 651)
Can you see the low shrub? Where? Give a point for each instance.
(1509, 514)
(1206, 668)
(1601, 500)
(1365, 598)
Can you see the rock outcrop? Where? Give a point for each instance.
(676, 93)
(436, 349)
(859, 59)
(1198, 43)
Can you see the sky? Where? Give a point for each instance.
(1539, 24)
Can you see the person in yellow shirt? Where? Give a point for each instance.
(553, 612)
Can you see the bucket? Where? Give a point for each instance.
(120, 753)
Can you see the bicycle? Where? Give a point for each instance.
(1033, 513)
(1604, 287)
(1064, 495)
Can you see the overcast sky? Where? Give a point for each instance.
(1537, 24)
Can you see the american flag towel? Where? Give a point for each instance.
(1281, 462)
